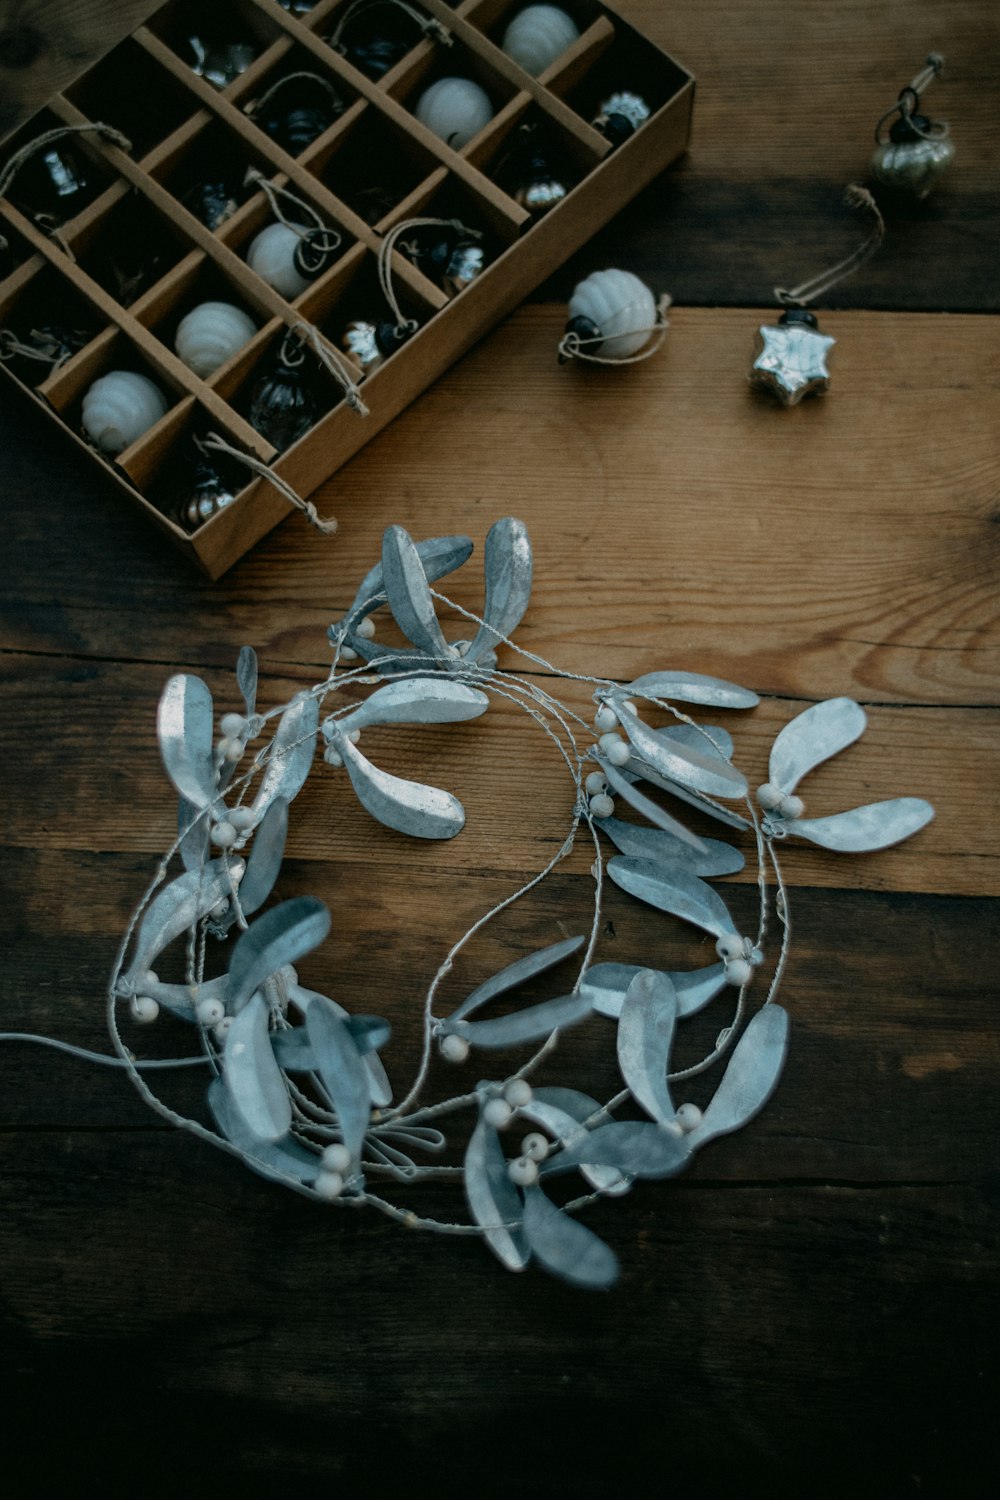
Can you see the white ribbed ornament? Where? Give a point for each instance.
(455, 109)
(272, 257)
(120, 407)
(621, 307)
(210, 334)
(537, 36)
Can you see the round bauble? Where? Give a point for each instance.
(272, 257)
(119, 408)
(456, 109)
(616, 309)
(537, 36)
(909, 161)
(210, 334)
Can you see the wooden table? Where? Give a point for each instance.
(813, 1306)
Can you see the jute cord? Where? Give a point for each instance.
(216, 444)
(48, 138)
(254, 108)
(332, 360)
(909, 101)
(388, 245)
(429, 25)
(325, 239)
(808, 291)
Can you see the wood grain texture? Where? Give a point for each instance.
(811, 1310)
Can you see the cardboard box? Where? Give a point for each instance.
(375, 167)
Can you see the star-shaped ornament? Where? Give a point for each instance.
(791, 357)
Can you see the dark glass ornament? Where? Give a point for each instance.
(620, 117)
(282, 406)
(376, 55)
(538, 189)
(297, 114)
(368, 344)
(452, 260)
(53, 185)
(205, 498)
(213, 201)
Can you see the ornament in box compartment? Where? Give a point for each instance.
(446, 251)
(620, 117)
(44, 348)
(221, 62)
(52, 184)
(528, 172)
(212, 333)
(537, 36)
(367, 345)
(283, 404)
(918, 150)
(374, 35)
(456, 109)
(119, 407)
(204, 495)
(296, 110)
(288, 258)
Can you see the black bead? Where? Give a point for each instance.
(800, 315)
(909, 128)
(389, 337)
(616, 128)
(586, 331)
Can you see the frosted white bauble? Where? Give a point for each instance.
(120, 407)
(210, 334)
(272, 257)
(456, 109)
(621, 307)
(537, 36)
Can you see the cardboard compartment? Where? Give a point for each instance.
(154, 234)
(44, 322)
(127, 90)
(379, 39)
(322, 255)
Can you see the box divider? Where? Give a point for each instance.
(477, 41)
(566, 71)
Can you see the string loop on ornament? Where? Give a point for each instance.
(256, 105)
(47, 138)
(11, 346)
(908, 103)
(385, 251)
(855, 196)
(318, 236)
(293, 353)
(216, 444)
(429, 25)
(572, 346)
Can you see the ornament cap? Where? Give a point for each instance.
(800, 315)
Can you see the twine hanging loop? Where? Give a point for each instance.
(858, 197)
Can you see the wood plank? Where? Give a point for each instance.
(835, 548)
(300, 1333)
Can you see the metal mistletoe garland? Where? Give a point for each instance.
(298, 1091)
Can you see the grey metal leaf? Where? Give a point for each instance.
(264, 860)
(636, 1148)
(246, 678)
(342, 1071)
(271, 1159)
(637, 770)
(653, 843)
(418, 700)
(564, 1247)
(691, 687)
(514, 974)
(369, 1032)
(408, 593)
(184, 729)
(193, 831)
(494, 1202)
(439, 556)
(508, 568)
(180, 999)
(645, 1036)
(532, 1024)
(291, 754)
(694, 735)
(281, 936)
(813, 737)
(673, 891)
(875, 826)
(177, 908)
(650, 810)
(607, 984)
(423, 812)
(701, 770)
(561, 1111)
(300, 1057)
(254, 1082)
(750, 1078)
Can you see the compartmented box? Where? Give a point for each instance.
(99, 270)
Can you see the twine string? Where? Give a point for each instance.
(46, 350)
(319, 235)
(218, 444)
(332, 360)
(572, 346)
(39, 143)
(429, 25)
(909, 102)
(385, 251)
(858, 197)
(254, 108)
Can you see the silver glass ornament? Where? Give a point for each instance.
(283, 406)
(790, 358)
(620, 116)
(208, 495)
(220, 63)
(914, 157)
